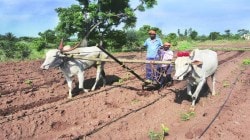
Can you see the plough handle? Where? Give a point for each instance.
(122, 65)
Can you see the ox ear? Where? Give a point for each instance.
(197, 63)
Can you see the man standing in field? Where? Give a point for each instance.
(153, 44)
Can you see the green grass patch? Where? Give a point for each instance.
(28, 82)
(37, 54)
(159, 135)
(187, 116)
(221, 42)
(225, 83)
(246, 61)
(134, 101)
(124, 79)
(185, 45)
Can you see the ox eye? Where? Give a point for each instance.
(186, 63)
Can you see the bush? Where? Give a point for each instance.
(38, 44)
(22, 50)
(8, 48)
(2, 55)
(246, 61)
(115, 40)
(172, 38)
(185, 45)
(14, 50)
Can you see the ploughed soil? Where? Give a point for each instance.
(34, 104)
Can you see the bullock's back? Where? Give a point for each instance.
(209, 59)
(92, 52)
(89, 52)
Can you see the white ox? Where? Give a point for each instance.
(196, 68)
(71, 66)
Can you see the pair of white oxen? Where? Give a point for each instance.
(196, 67)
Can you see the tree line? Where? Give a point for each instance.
(96, 21)
(12, 47)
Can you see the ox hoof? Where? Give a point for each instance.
(213, 94)
(86, 90)
(69, 97)
(192, 108)
(93, 89)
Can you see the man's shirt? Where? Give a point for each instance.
(166, 56)
(153, 47)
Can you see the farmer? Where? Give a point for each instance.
(165, 69)
(153, 44)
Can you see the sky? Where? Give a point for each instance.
(28, 17)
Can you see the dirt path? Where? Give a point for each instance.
(33, 104)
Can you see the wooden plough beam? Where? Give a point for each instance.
(124, 60)
(78, 56)
(219, 49)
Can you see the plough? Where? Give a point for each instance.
(121, 63)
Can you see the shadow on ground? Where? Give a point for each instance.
(181, 95)
(88, 83)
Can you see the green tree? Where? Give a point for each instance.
(180, 35)
(227, 33)
(214, 35)
(186, 33)
(48, 36)
(193, 35)
(11, 49)
(97, 16)
(202, 38)
(158, 31)
(22, 50)
(179, 32)
(2, 37)
(7, 45)
(10, 37)
(26, 38)
(132, 40)
(241, 32)
(236, 37)
(190, 30)
(131, 36)
(116, 39)
(143, 31)
(172, 38)
(8, 48)
(38, 44)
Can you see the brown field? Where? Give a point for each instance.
(34, 104)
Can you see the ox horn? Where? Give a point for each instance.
(61, 45)
(71, 49)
